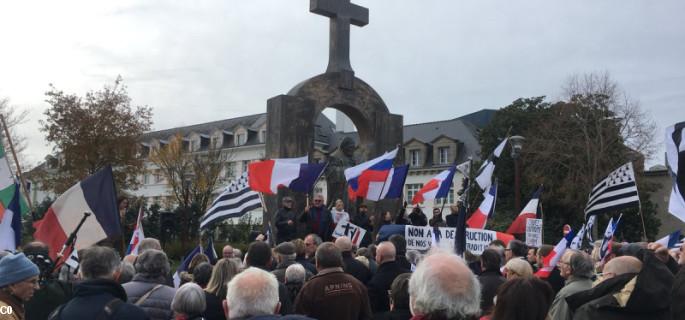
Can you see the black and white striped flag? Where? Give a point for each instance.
(675, 157)
(236, 200)
(618, 190)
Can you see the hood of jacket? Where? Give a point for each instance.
(98, 287)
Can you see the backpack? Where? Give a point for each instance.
(107, 312)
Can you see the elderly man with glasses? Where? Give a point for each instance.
(318, 219)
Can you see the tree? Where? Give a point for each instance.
(13, 118)
(570, 146)
(91, 132)
(192, 178)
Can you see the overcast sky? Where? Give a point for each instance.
(198, 61)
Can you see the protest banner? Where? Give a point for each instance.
(350, 230)
(534, 233)
(477, 240)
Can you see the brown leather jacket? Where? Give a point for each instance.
(333, 294)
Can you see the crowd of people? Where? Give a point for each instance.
(316, 277)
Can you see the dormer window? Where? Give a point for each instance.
(215, 140)
(414, 158)
(443, 155)
(262, 136)
(240, 138)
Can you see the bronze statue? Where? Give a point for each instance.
(339, 160)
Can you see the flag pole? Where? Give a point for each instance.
(542, 217)
(642, 218)
(16, 161)
(261, 199)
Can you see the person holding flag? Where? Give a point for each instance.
(137, 236)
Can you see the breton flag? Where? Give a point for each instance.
(616, 191)
(236, 200)
(484, 176)
(675, 157)
(94, 194)
(671, 240)
(577, 241)
(605, 248)
(465, 168)
(10, 222)
(588, 228)
(391, 188)
(550, 261)
(436, 188)
(479, 218)
(138, 234)
(295, 173)
(362, 177)
(529, 211)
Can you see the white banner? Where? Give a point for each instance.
(345, 228)
(423, 238)
(534, 232)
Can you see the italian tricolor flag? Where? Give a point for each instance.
(7, 185)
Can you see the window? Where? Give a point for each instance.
(412, 189)
(245, 163)
(158, 176)
(146, 178)
(240, 139)
(449, 198)
(262, 136)
(443, 155)
(415, 158)
(230, 170)
(215, 141)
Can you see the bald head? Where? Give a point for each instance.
(385, 252)
(622, 265)
(443, 285)
(344, 244)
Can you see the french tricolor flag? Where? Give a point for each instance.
(480, 217)
(95, 194)
(294, 173)
(436, 188)
(670, 241)
(138, 234)
(368, 178)
(550, 261)
(530, 211)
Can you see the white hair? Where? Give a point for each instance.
(253, 292)
(189, 300)
(295, 273)
(434, 289)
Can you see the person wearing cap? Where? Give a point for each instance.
(18, 281)
(285, 221)
(285, 257)
(351, 265)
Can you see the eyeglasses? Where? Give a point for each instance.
(317, 200)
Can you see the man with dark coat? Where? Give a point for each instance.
(361, 219)
(285, 221)
(490, 278)
(332, 294)
(318, 219)
(400, 251)
(259, 256)
(388, 270)
(99, 295)
(52, 292)
(151, 269)
(351, 265)
(643, 295)
(452, 218)
(285, 257)
(417, 217)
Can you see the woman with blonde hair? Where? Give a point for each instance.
(223, 272)
(517, 268)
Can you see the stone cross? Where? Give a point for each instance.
(342, 14)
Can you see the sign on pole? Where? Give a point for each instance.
(534, 232)
(350, 230)
(424, 238)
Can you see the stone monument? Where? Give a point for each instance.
(291, 117)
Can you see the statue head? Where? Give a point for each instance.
(347, 147)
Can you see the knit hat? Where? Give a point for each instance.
(15, 268)
(285, 248)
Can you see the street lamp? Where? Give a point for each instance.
(516, 146)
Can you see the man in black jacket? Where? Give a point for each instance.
(259, 256)
(318, 219)
(417, 217)
(361, 219)
(351, 265)
(99, 295)
(285, 221)
(388, 270)
(400, 251)
(490, 278)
